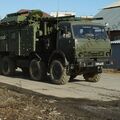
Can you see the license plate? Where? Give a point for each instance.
(99, 63)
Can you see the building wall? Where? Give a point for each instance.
(114, 35)
(115, 58)
(61, 14)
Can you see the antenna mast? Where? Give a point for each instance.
(57, 14)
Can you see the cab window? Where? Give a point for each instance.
(65, 31)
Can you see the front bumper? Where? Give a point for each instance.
(92, 63)
(83, 66)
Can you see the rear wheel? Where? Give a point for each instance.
(8, 66)
(37, 70)
(92, 77)
(58, 73)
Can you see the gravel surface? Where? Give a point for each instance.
(21, 104)
(107, 89)
(24, 99)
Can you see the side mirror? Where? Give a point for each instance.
(108, 31)
(107, 28)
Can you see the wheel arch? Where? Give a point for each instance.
(34, 55)
(58, 55)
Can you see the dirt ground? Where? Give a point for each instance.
(107, 89)
(20, 104)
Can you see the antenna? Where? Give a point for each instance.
(58, 2)
(57, 14)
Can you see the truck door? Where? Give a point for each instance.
(65, 41)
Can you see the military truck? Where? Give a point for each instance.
(61, 47)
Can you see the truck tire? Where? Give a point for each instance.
(8, 66)
(37, 70)
(58, 73)
(92, 77)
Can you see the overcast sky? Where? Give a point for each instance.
(80, 7)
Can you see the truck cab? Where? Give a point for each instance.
(85, 47)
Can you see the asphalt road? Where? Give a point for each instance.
(107, 89)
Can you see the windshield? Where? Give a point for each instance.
(94, 32)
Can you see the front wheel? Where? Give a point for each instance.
(92, 77)
(58, 73)
(37, 70)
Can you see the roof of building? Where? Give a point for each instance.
(115, 42)
(111, 16)
(113, 5)
(26, 10)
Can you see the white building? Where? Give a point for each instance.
(62, 14)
